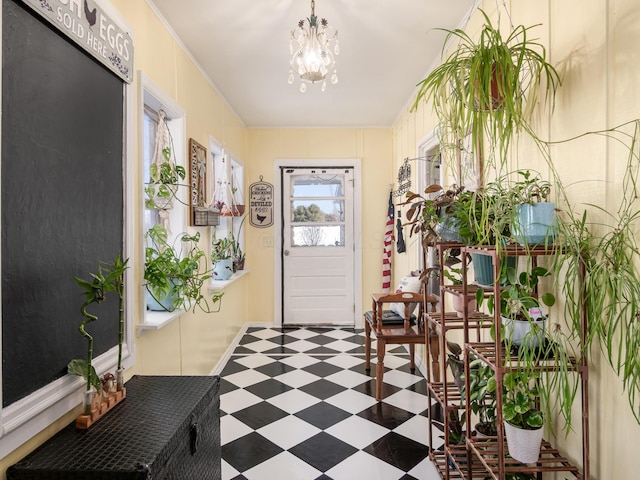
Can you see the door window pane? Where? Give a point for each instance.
(317, 236)
(317, 186)
(322, 211)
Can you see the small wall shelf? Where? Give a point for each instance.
(217, 285)
(157, 320)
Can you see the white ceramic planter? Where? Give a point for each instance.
(523, 445)
(518, 331)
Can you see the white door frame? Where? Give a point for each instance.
(354, 163)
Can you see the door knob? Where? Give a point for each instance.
(286, 253)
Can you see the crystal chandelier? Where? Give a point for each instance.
(310, 49)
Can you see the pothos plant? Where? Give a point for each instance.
(179, 269)
(109, 278)
(164, 180)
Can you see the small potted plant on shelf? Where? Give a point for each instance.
(523, 421)
(482, 397)
(221, 258)
(534, 219)
(520, 308)
(484, 219)
(430, 216)
(454, 275)
(175, 276)
(455, 363)
(237, 253)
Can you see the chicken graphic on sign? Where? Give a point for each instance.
(90, 14)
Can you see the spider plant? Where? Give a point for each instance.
(487, 89)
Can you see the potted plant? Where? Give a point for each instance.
(109, 278)
(534, 219)
(237, 253)
(431, 216)
(520, 307)
(175, 276)
(221, 258)
(482, 397)
(484, 219)
(455, 363)
(523, 421)
(454, 275)
(486, 88)
(164, 180)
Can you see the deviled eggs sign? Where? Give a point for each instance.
(261, 204)
(86, 24)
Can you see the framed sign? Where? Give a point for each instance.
(197, 177)
(261, 204)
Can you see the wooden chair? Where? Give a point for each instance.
(393, 329)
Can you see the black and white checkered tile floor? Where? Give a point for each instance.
(298, 404)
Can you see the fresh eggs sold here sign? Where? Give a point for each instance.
(84, 22)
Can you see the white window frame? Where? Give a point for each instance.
(155, 98)
(25, 418)
(218, 152)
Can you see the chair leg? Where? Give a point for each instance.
(367, 346)
(412, 354)
(381, 346)
(434, 347)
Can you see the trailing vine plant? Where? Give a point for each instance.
(599, 264)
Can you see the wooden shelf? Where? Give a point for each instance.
(453, 394)
(453, 322)
(489, 455)
(487, 352)
(486, 449)
(443, 462)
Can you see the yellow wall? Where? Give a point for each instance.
(593, 44)
(371, 145)
(193, 344)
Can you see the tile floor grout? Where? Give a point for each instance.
(298, 404)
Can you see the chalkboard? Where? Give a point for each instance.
(62, 198)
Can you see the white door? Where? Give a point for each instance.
(318, 246)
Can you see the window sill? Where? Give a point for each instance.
(157, 320)
(217, 285)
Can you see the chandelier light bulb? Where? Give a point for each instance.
(311, 47)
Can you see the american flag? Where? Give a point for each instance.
(388, 247)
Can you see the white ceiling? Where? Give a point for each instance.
(386, 48)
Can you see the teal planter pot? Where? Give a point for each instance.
(483, 268)
(223, 269)
(448, 230)
(157, 304)
(536, 224)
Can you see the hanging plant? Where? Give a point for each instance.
(164, 173)
(487, 89)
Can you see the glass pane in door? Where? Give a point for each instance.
(317, 206)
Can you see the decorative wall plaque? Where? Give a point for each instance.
(197, 181)
(261, 204)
